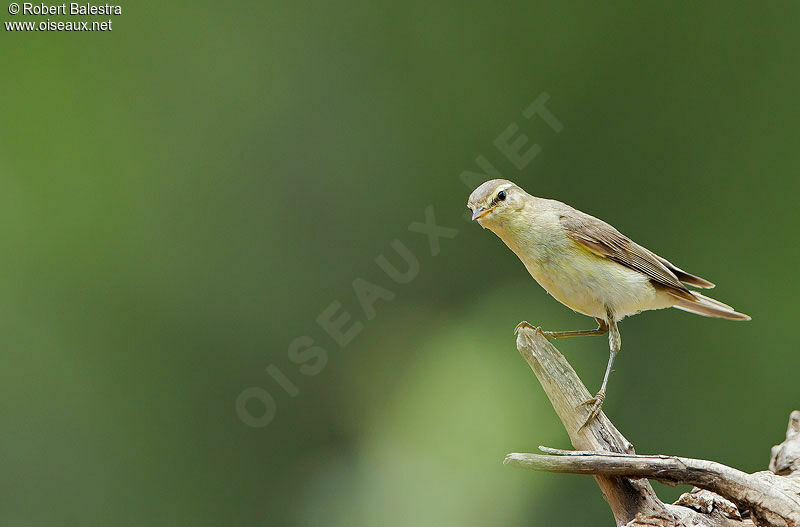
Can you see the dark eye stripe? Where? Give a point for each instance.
(499, 197)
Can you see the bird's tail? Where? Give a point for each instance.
(707, 307)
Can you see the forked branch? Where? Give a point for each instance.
(603, 452)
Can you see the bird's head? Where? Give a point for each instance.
(495, 202)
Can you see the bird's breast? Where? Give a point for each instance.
(585, 282)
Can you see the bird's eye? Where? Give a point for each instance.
(501, 195)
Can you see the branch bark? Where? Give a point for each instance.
(603, 452)
(760, 493)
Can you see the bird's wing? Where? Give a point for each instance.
(606, 241)
(683, 276)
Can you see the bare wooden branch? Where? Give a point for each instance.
(772, 499)
(785, 458)
(566, 392)
(758, 493)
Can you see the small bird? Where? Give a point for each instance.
(588, 265)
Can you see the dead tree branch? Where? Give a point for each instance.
(770, 498)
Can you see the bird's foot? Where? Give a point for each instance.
(549, 335)
(596, 404)
(526, 325)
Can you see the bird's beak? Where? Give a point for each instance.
(480, 212)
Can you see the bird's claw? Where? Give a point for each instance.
(596, 404)
(549, 335)
(525, 324)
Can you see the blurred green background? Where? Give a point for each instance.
(183, 196)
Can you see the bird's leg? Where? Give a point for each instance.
(602, 329)
(614, 342)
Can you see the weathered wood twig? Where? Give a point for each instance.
(758, 492)
(566, 392)
(770, 499)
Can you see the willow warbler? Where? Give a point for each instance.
(588, 265)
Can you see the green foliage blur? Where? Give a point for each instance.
(183, 196)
